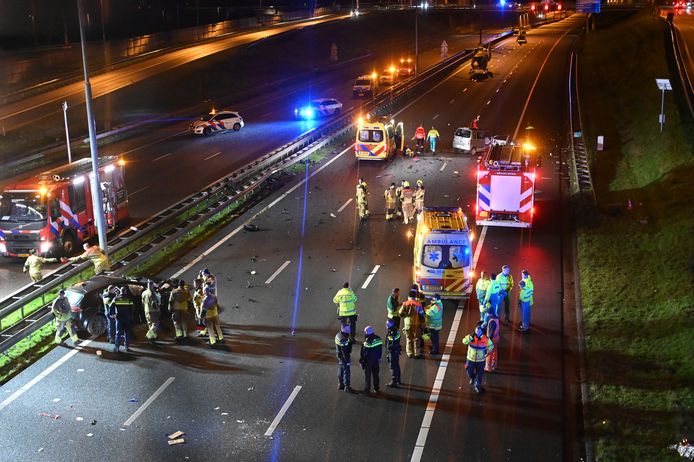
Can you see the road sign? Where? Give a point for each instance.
(444, 50)
(663, 84)
(587, 6)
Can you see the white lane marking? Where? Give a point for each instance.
(149, 401)
(443, 166)
(489, 102)
(260, 212)
(43, 374)
(155, 142)
(344, 205)
(283, 411)
(451, 101)
(138, 191)
(161, 157)
(464, 89)
(435, 117)
(478, 250)
(371, 276)
(213, 155)
(279, 270)
(436, 389)
(532, 89)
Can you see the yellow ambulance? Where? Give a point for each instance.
(443, 253)
(378, 139)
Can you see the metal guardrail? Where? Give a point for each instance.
(682, 69)
(581, 180)
(140, 242)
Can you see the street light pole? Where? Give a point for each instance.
(416, 42)
(67, 133)
(97, 201)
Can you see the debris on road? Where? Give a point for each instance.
(55, 400)
(175, 435)
(80, 370)
(93, 422)
(52, 416)
(333, 215)
(90, 434)
(178, 441)
(40, 450)
(253, 300)
(133, 400)
(79, 419)
(225, 413)
(217, 408)
(250, 389)
(240, 421)
(251, 227)
(98, 352)
(253, 272)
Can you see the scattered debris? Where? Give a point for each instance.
(93, 422)
(240, 421)
(250, 389)
(98, 352)
(80, 370)
(178, 441)
(40, 449)
(46, 414)
(175, 435)
(251, 227)
(252, 300)
(133, 400)
(254, 272)
(122, 429)
(79, 419)
(168, 417)
(456, 172)
(225, 413)
(90, 434)
(254, 258)
(333, 215)
(55, 400)
(217, 408)
(334, 270)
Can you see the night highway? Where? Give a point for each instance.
(270, 393)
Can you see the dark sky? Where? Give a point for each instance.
(26, 23)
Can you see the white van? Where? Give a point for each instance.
(470, 140)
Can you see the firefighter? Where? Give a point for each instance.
(479, 346)
(433, 136)
(407, 203)
(481, 287)
(474, 122)
(419, 136)
(197, 297)
(343, 348)
(525, 300)
(393, 307)
(390, 202)
(506, 283)
(493, 334)
(109, 296)
(95, 255)
(33, 264)
(178, 301)
(434, 322)
(63, 318)
(123, 312)
(362, 201)
(369, 358)
(398, 198)
(208, 280)
(419, 198)
(151, 302)
(346, 300)
(409, 312)
(210, 312)
(492, 295)
(394, 348)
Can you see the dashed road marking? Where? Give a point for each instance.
(443, 166)
(138, 191)
(279, 270)
(161, 157)
(213, 155)
(435, 117)
(344, 205)
(149, 401)
(371, 276)
(283, 411)
(451, 101)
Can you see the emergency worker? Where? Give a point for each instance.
(481, 287)
(123, 313)
(362, 201)
(197, 297)
(95, 255)
(398, 198)
(370, 357)
(434, 322)
(343, 348)
(151, 302)
(210, 313)
(492, 295)
(506, 284)
(419, 136)
(419, 198)
(409, 312)
(407, 203)
(494, 335)
(33, 264)
(346, 302)
(109, 297)
(479, 346)
(474, 122)
(393, 307)
(208, 280)
(526, 298)
(394, 348)
(63, 318)
(178, 301)
(390, 201)
(433, 137)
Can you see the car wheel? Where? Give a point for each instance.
(96, 324)
(69, 243)
(207, 131)
(237, 127)
(473, 151)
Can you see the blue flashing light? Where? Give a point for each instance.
(502, 3)
(306, 112)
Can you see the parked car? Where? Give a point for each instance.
(322, 107)
(217, 122)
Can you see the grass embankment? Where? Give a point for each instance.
(637, 265)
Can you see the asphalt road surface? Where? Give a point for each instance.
(684, 23)
(271, 392)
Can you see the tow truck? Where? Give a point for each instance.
(506, 185)
(52, 212)
(479, 65)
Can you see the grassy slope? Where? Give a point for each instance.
(637, 265)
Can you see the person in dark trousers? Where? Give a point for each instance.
(479, 346)
(394, 348)
(124, 319)
(370, 357)
(108, 297)
(343, 348)
(393, 307)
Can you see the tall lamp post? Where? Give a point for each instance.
(67, 133)
(96, 184)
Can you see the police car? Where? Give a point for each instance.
(322, 107)
(219, 121)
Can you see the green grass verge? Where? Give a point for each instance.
(637, 265)
(21, 355)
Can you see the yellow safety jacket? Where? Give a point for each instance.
(346, 300)
(96, 256)
(506, 282)
(433, 133)
(179, 299)
(61, 309)
(478, 348)
(527, 292)
(434, 315)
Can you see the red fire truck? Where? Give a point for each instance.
(53, 211)
(506, 186)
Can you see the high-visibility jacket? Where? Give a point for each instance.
(361, 195)
(96, 256)
(420, 133)
(481, 288)
(433, 133)
(390, 198)
(526, 291)
(505, 282)
(179, 298)
(371, 349)
(478, 348)
(346, 300)
(434, 315)
(393, 306)
(61, 309)
(419, 198)
(150, 302)
(33, 264)
(407, 196)
(409, 312)
(492, 291)
(493, 330)
(210, 307)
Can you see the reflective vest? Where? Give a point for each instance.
(506, 282)
(434, 315)
(372, 348)
(526, 293)
(209, 304)
(494, 337)
(346, 302)
(419, 133)
(433, 133)
(343, 347)
(481, 288)
(179, 299)
(96, 256)
(407, 196)
(150, 302)
(477, 348)
(61, 309)
(409, 311)
(392, 305)
(492, 290)
(390, 198)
